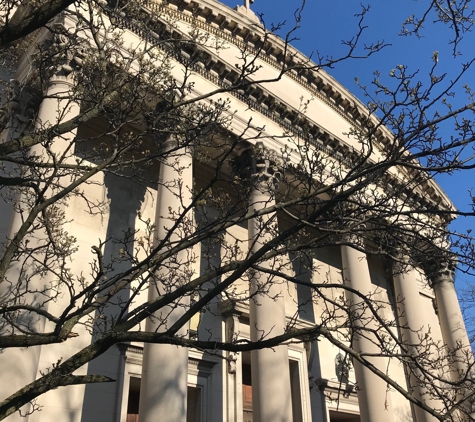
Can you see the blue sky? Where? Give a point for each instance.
(325, 23)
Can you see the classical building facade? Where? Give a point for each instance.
(299, 381)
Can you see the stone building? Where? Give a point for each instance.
(301, 380)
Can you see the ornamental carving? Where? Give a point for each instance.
(64, 53)
(260, 167)
(440, 270)
(342, 368)
(19, 106)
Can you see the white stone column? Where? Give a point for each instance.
(57, 108)
(373, 396)
(20, 367)
(271, 397)
(413, 326)
(163, 392)
(451, 321)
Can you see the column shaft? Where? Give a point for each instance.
(57, 108)
(271, 396)
(413, 327)
(373, 395)
(452, 324)
(51, 112)
(165, 367)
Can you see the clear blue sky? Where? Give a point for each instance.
(325, 23)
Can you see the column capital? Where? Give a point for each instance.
(353, 239)
(67, 54)
(169, 143)
(441, 270)
(400, 263)
(260, 167)
(401, 255)
(173, 142)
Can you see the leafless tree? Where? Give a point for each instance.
(122, 115)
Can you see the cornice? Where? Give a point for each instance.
(212, 68)
(220, 73)
(237, 29)
(337, 392)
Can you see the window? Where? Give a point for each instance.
(343, 417)
(247, 389)
(133, 400)
(295, 391)
(246, 392)
(193, 409)
(193, 413)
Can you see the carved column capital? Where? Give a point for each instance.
(65, 54)
(260, 167)
(440, 270)
(400, 256)
(354, 237)
(171, 142)
(401, 263)
(176, 145)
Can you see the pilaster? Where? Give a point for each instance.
(234, 371)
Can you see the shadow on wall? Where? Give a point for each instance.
(302, 266)
(403, 414)
(102, 401)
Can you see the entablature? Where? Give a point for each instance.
(236, 29)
